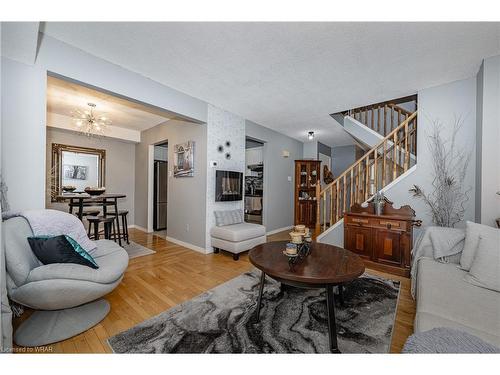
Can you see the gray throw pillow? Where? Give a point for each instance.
(485, 269)
(229, 217)
(472, 233)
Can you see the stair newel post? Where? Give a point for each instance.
(317, 228)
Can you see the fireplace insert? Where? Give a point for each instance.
(228, 186)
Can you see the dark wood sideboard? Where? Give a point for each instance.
(383, 241)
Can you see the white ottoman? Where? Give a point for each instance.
(237, 238)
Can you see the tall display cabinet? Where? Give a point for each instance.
(307, 178)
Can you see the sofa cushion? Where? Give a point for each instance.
(473, 232)
(238, 232)
(443, 293)
(485, 269)
(228, 217)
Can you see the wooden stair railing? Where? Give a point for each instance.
(384, 163)
(382, 117)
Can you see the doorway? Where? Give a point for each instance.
(160, 186)
(254, 181)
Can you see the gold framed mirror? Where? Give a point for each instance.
(74, 168)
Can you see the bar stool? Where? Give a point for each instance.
(109, 226)
(123, 214)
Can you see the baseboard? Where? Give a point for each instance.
(274, 231)
(187, 245)
(133, 226)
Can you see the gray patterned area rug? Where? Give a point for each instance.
(294, 320)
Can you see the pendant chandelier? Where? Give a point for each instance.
(88, 122)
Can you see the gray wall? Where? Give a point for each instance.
(278, 191)
(120, 165)
(186, 196)
(325, 150)
(488, 142)
(342, 158)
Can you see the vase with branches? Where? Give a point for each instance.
(449, 196)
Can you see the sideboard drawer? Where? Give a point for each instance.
(359, 221)
(390, 224)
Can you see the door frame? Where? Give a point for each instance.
(265, 179)
(151, 182)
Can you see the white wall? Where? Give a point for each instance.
(23, 134)
(488, 142)
(24, 109)
(222, 126)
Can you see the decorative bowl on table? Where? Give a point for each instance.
(95, 190)
(68, 189)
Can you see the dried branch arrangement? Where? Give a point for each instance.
(448, 200)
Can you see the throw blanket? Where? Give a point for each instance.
(55, 223)
(442, 244)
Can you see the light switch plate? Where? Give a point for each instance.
(289, 178)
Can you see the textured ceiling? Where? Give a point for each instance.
(64, 97)
(290, 76)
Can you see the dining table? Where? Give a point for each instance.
(80, 200)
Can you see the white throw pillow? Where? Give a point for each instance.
(472, 233)
(485, 269)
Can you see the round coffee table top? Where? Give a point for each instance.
(326, 264)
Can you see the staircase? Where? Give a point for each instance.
(391, 156)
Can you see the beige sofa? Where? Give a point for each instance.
(445, 299)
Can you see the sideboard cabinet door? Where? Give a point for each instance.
(387, 247)
(358, 240)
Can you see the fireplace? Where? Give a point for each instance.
(228, 186)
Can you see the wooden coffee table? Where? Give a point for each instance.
(326, 267)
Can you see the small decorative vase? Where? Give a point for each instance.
(379, 207)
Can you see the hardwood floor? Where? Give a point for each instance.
(155, 283)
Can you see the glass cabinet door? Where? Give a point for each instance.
(303, 175)
(313, 180)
